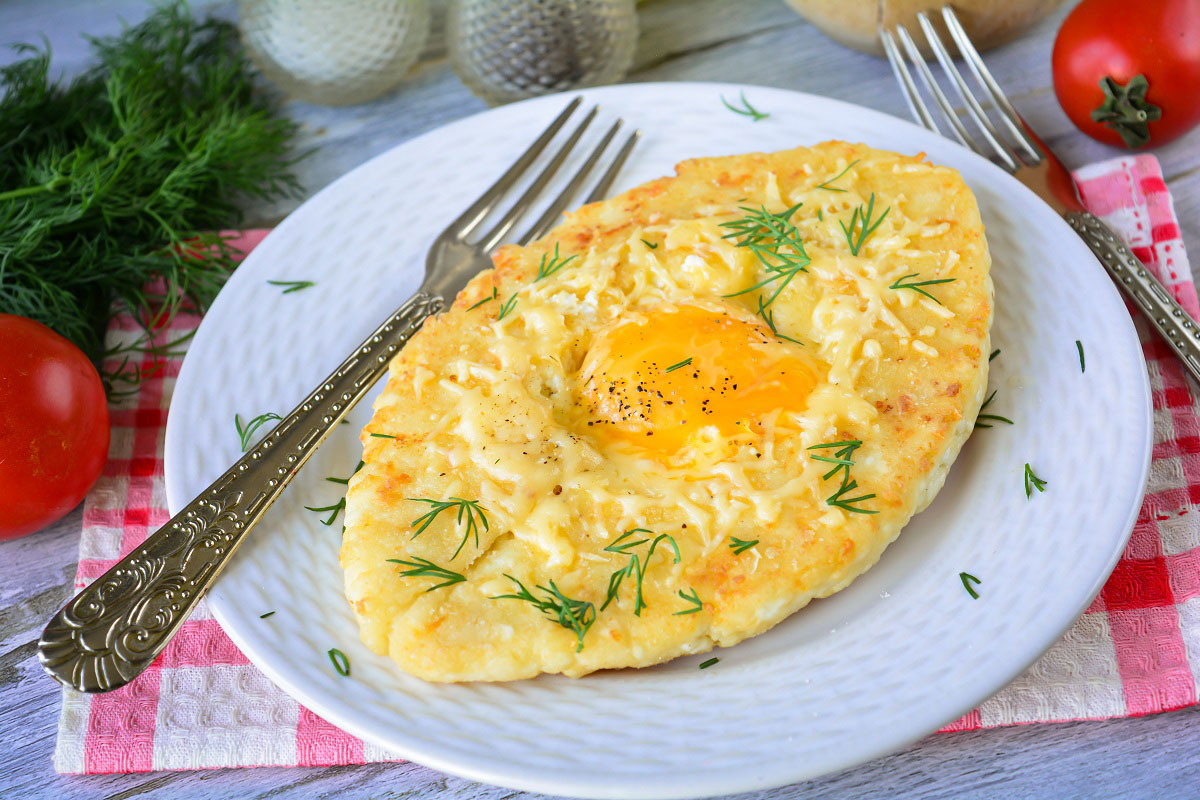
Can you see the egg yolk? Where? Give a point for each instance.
(657, 377)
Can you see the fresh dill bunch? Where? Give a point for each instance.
(113, 185)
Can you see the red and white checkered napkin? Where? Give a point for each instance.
(1135, 651)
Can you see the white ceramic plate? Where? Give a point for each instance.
(901, 652)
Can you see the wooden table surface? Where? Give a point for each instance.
(758, 42)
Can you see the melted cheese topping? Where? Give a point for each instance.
(575, 417)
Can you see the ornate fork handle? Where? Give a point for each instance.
(1175, 325)
(113, 629)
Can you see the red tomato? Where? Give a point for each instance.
(1127, 73)
(53, 426)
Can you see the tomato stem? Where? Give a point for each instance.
(1126, 110)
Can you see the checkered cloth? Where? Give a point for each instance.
(1135, 651)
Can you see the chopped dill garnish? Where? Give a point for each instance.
(575, 615)
(843, 460)
(615, 545)
(820, 215)
(709, 663)
(293, 286)
(264, 616)
(424, 568)
(916, 285)
(495, 293)
(826, 184)
(693, 599)
(843, 457)
(1082, 364)
(549, 266)
(1032, 482)
(966, 579)
(861, 219)
(680, 365)
(995, 353)
(635, 567)
(651, 245)
(991, 417)
(507, 306)
(768, 317)
(747, 110)
(346, 481)
(384, 436)
(775, 242)
(468, 509)
(847, 503)
(335, 509)
(246, 433)
(340, 662)
(739, 546)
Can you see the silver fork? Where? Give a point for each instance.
(111, 631)
(1014, 146)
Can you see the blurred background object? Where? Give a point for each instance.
(854, 22)
(506, 50)
(334, 52)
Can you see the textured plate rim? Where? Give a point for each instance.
(569, 783)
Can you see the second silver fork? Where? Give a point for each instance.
(112, 630)
(1014, 146)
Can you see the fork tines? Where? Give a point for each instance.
(1009, 144)
(467, 224)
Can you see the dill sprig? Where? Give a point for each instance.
(847, 503)
(346, 481)
(246, 432)
(861, 226)
(264, 616)
(575, 615)
(113, 186)
(843, 460)
(775, 242)
(693, 599)
(495, 293)
(1032, 482)
(680, 365)
(995, 353)
(916, 285)
(468, 510)
(333, 510)
(966, 579)
(340, 662)
(827, 184)
(768, 317)
(424, 568)
(991, 417)
(842, 457)
(340, 505)
(739, 546)
(1082, 363)
(382, 436)
(708, 663)
(293, 286)
(651, 245)
(619, 545)
(746, 110)
(635, 567)
(549, 266)
(507, 306)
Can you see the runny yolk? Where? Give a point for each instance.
(638, 385)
